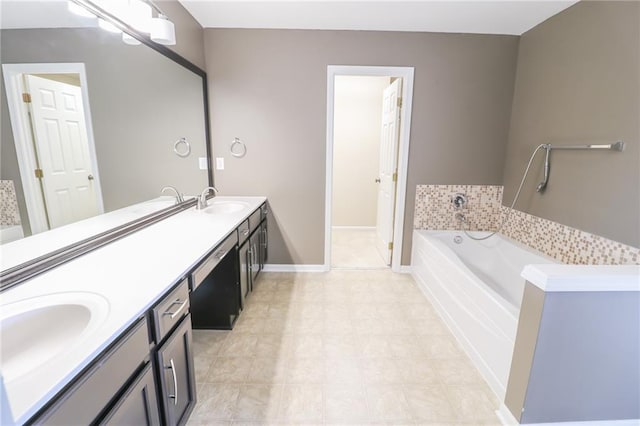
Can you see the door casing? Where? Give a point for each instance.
(406, 73)
(25, 151)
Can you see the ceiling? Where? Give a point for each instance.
(513, 17)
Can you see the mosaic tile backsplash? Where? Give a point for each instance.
(434, 208)
(9, 214)
(484, 212)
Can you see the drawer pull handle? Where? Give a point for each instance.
(172, 367)
(220, 254)
(245, 232)
(175, 313)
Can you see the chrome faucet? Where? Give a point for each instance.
(179, 197)
(202, 199)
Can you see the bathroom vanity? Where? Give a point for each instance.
(113, 330)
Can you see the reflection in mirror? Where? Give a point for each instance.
(52, 137)
(89, 126)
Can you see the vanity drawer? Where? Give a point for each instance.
(255, 219)
(168, 313)
(243, 232)
(212, 260)
(94, 389)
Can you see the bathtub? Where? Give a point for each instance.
(476, 288)
(10, 233)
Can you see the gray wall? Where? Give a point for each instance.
(137, 115)
(577, 81)
(268, 87)
(189, 33)
(585, 366)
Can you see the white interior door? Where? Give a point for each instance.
(387, 180)
(61, 143)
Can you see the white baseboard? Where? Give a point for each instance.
(355, 228)
(294, 268)
(405, 269)
(505, 416)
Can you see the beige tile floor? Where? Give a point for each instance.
(355, 248)
(344, 347)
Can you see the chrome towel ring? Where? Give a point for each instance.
(182, 151)
(238, 148)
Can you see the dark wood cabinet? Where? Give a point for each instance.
(175, 371)
(139, 405)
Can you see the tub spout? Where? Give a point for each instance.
(461, 218)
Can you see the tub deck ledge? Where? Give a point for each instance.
(578, 278)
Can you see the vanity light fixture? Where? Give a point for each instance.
(136, 14)
(140, 14)
(129, 39)
(163, 31)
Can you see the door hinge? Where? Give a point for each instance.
(26, 98)
(399, 103)
(39, 173)
(391, 245)
(395, 176)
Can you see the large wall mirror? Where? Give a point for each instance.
(92, 129)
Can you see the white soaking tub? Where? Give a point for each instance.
(477, 289)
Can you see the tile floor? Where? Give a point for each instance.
(355, 248)
(343, 347)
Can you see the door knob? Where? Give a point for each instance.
(377, 180)
(90, 177)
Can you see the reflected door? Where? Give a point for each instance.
(388, 169)
(61, 143)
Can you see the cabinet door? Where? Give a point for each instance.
(264, 243)
(139, 405)
(176, 374)
(254, 241)
(245, 274)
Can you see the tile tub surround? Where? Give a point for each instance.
(434, 211)
(9, 214)
(566, 244)
(343, 347)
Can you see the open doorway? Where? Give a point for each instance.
(368, 121)
(51, 123)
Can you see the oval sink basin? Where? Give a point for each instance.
(38, 329)
(225, 207)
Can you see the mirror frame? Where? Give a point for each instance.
(27, 270)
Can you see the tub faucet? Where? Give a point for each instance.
(179, 197)
(202, 199)
(461, 218)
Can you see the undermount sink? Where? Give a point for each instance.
(36, 330)
(225, 207)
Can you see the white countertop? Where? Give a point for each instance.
(131, 274)
(555, 277)
(22, 250)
